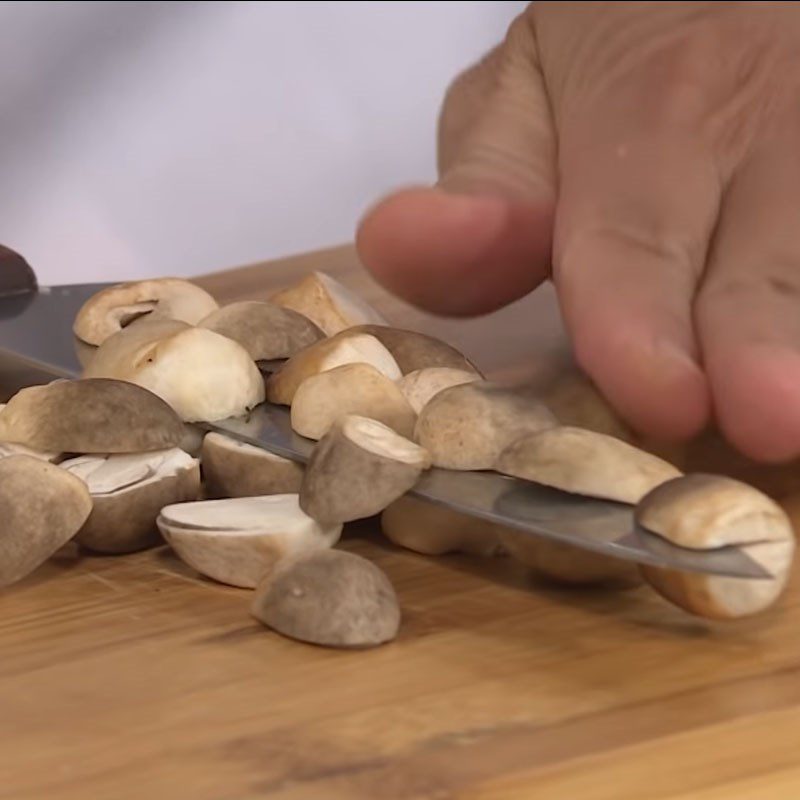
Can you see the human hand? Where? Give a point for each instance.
(646, 157)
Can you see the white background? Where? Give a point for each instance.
(182, 137)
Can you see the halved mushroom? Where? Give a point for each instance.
(330, 598)
(467, 426)
(42, 508)
(110, 310)
(13, 449)
(704, 512)
(236, 469)
(128, 492)
(357, 469)
(350, 389)
(238, 541)
(421, 385)
(265, 330)
(92, 415)
(203, 375)
(327, 303)
(344, 348)
(584, 462)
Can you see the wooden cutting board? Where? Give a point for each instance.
(132, 677)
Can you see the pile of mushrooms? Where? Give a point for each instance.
(113, 461)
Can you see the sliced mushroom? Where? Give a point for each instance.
(704, 512)
(584, 462)
(128, 492)
(327, 303)
(350, 389)
(240, 540)
(467, 426)
(265, 330)
(423, 384)
(344, 348)
(93, 415)
(192, 440)
(357, 469)
(434, 530)
(330, 598)
(237, 469)
(42, 508)
(110, 310)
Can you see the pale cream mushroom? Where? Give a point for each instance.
(467, 426)
(13, 449)
(357, 469)
(330, 598)
(237, 469)
(128, 492)
(110, 310)
(327, 303)
(344, 348)
(239, 541)
(265, 330)
(584, 462)
(42, 507)
(421, 385)
(704, 512)
(90, 416)
(360, 389)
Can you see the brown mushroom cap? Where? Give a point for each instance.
(42, 508)
(110, 310)
(330, 598)
(420, 386)
(90, 416)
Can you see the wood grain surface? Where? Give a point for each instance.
(133, 678)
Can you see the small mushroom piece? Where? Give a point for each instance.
(128, 492)
(584, 462)
(330, 598)
(93, 415)
(350, 389)
(110, 310)
(236, 469)
(238, 541)
(42, 508)
(704, 512)
(423, 384)
(434, 530)
(467, 426)
(265, 330)
(357, 469)
(327, 303)
(345, 348)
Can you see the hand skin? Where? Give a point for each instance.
(645, 157)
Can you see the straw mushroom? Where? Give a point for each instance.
(705, 512)
(357, 469)
(110, 310)
(330, 598)
(238, 541)
(421, 385)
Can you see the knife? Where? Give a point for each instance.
(37, 345)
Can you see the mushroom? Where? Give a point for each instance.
(94, 415)
(330, 598)
(128, 492)
(238, 541)
(13, 449)
(42, 508)
(584, 462)
(203, 375)
(434, 530)
(421, 385)
(344, 348)
(236, 469)
(110, 310)
(265, 330)
(350, 389)
(327, 303)
(357, 469)
(467, 426)
(704, 512)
